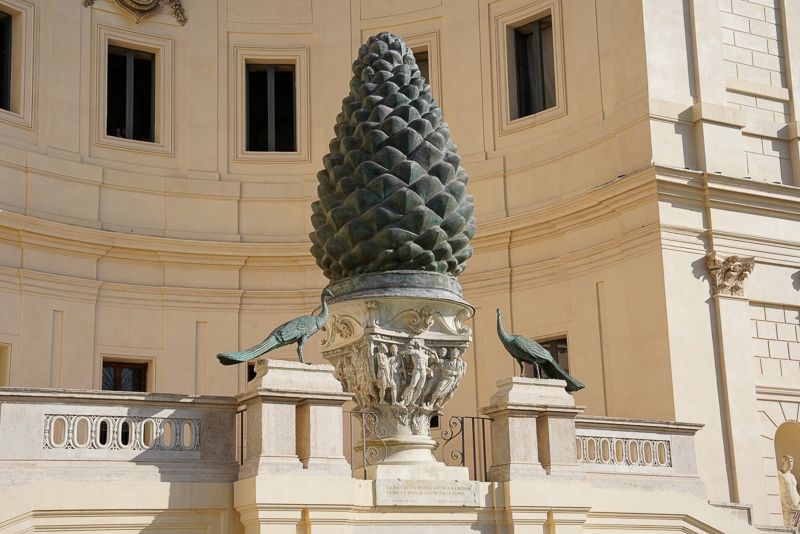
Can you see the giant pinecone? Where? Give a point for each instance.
(392, 195)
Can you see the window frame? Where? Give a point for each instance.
(536, 101)
(23, 42)
(134, 359)
(5, 364)
(162, 50)
(298, 57)
(544, 341)
(130, 83)
(118, 365)
(430, 43)
(516, 15)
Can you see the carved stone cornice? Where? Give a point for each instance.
(728, 274)
(143, 8)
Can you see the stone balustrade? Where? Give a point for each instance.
(96, 435)
(619, 452)
(80, 435)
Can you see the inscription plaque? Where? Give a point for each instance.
(426, 493)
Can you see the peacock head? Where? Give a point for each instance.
(499, 311)
(326, 293)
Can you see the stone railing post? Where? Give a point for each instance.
(533, 430)
(294, 421)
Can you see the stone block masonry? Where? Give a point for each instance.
(752, 41)
(775, 332)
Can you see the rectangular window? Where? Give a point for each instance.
(5, 61)
(5, 365)
(535, 67)
(422, 63)
(270, 108)
(130, 94)
(558, 350)
(124, 376)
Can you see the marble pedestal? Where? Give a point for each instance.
(533, 430)
(396, 341)
(294, 421)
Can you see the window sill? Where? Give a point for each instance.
(16, 119)
(133, 145)
(529, 121)
(271, 157)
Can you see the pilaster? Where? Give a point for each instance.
(738, 382)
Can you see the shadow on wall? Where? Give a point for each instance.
(796, 281)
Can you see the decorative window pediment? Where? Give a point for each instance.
(143, 8)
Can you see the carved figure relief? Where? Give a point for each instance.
(728, 274)
(143, 8)
(385, 375)
(403, 379)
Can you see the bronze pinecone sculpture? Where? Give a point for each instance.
(392, 195)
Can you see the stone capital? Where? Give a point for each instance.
(728, 274)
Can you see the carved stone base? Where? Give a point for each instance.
(396, 342)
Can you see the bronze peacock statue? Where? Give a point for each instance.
(527, 350)
(294, 331)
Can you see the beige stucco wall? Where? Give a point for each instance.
(594, 221)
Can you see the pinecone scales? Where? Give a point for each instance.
(392, 195)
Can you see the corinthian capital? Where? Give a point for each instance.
(728, 274)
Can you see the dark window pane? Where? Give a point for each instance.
(130, 94)
(131, 379)
(264, 132)
(103, 433)
(284, 111)
(257, 112)
(108, 378)
(5, 61)
(143, 111)
(121, 376)
(535, 67)
(115, 91)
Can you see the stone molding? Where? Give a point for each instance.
(728, 274)
(143, 8)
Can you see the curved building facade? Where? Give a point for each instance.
(635, 166)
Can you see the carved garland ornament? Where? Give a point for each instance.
(143, 8)
(729, 274)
